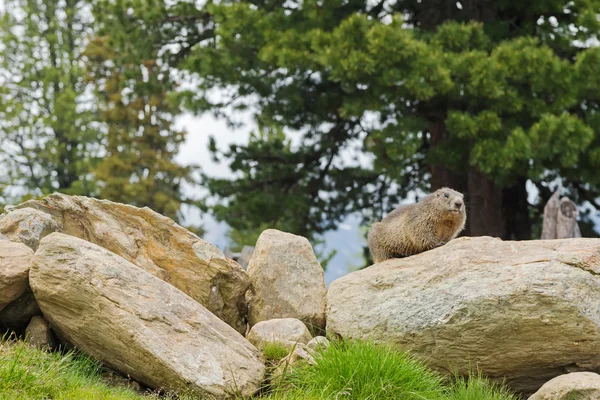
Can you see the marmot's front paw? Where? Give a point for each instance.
(440, 244)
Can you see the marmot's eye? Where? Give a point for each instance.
(446, 195)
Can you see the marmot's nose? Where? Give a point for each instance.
(458, 204)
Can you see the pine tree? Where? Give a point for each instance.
(480, 96)
(132, 86)
(47, 130)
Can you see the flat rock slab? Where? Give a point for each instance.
(15, 260)
(138, 324)
(526, 311)
(149, 240)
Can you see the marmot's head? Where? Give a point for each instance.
(450, 203)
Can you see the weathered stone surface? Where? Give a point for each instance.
(287, 280)
(526, 311)
(573, 386)
(39, 334)
(15, 259)
(137, 324)
(285, 331)
(301, 353)
(27, 226)
(149, 240)
(17, 314)
(318, 342)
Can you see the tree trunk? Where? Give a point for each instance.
(484, 206)
(441, 176)
(491, 210)
(515, 209)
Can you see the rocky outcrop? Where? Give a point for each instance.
(287, 280)
(525, 311)
(15, 259)
(149, 240)
(287, 332)
(573, 386)
(137, 324)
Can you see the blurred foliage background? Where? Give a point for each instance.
(383, 99)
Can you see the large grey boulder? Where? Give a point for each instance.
(149, 240)
(573, 386)
(137, 324)
(287, 280)
(15, 260)
(526, 311)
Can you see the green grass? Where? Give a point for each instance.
(274, 352)
(477, 387)
(365, 371)
(344, 371)
(30, 373)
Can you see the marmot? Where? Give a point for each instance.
(410, 229)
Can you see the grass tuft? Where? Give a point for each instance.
(30, 373)
(344, 371)
(357, 370)
(274, 352)
(477, 387)
(361, 371)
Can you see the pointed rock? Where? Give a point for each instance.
(287, 280)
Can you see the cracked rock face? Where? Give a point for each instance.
(522, 311)
(138, 324)
(149, 240)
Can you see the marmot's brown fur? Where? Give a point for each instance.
(410, 229)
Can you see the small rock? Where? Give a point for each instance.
(15, 261)
(285, 331)
(27, 226)
(573, 386)
(301, 353)
(39, 334)
(318, 342)
(287, 280)
(17, 314)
